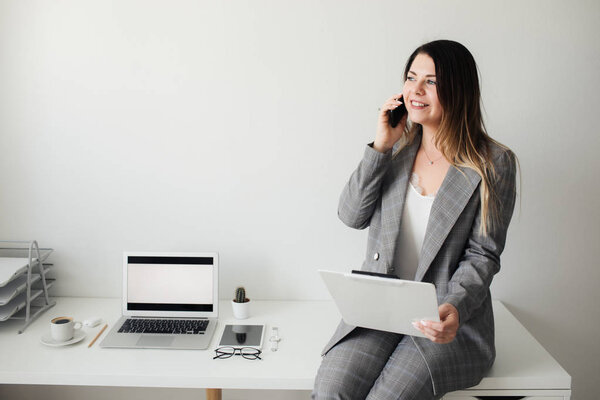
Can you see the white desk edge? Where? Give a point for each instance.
(305, 327)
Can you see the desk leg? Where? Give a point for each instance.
(213, 394)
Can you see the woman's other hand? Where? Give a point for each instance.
(387, 136)
(443, 331)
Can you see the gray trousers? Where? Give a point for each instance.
(373, 365)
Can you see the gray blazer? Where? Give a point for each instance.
(455, 256)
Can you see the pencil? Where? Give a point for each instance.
(98, 335)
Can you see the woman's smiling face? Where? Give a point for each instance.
(420, 93)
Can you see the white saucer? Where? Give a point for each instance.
(48, 341)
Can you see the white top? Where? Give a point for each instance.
(415, 216)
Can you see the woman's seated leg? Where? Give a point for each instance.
(405, 376)
(350, 368)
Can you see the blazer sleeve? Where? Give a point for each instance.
(360, 195)
(468, 287)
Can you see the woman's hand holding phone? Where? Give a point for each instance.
(387, 135)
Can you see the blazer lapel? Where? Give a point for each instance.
(392, 202)
(452, 197)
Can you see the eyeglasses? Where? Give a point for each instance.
(249, 353)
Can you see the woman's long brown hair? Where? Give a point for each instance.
(461, 136)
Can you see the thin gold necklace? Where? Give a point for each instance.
(430, 160)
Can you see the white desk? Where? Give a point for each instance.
(522, 368)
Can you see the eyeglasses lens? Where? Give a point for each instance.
(250, 353)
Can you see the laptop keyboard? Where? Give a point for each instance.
(171, 326)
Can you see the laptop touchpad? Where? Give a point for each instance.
(154, 341)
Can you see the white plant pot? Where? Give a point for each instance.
(241, 310)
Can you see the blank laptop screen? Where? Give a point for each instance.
(160, 283)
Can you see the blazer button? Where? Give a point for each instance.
(376, 256)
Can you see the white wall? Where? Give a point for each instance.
(232, 126)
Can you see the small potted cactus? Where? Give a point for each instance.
(240, 304)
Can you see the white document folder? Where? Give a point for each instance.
(385, 304)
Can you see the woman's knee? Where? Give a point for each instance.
(350, 368)
(404, 377)
(336, 380)
(326, 389)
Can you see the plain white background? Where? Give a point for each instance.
(232, 127)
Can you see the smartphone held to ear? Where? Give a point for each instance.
(395, 115)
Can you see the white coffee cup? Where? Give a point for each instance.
(63, 328)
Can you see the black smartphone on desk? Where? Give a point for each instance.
(395, 115)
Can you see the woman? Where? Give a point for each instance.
(437, 194)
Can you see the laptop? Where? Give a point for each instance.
(170, 301)
(381, 301)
